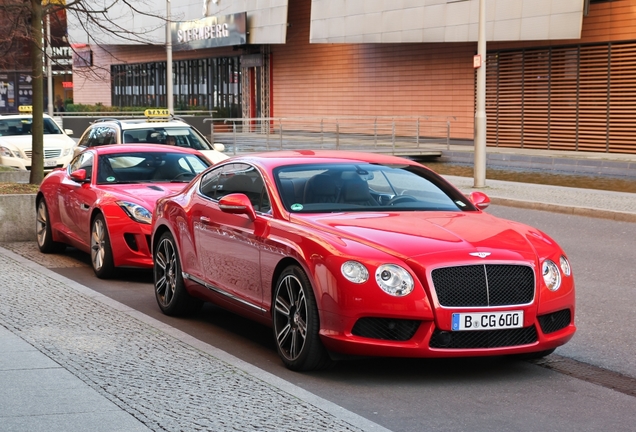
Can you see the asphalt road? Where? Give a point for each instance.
(466, 394)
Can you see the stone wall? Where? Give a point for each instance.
(17, 217)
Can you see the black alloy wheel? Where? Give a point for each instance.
(172, 297)
(296, 323)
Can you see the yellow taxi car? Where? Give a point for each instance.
(16, 141)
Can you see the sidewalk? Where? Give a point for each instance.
(74, 360)
(620, 206)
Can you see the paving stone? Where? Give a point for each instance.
(159, 380)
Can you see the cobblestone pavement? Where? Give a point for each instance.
(162, 381)
(70, 258)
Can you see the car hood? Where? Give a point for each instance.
(144, 194)
(50, 141)
(415, 235)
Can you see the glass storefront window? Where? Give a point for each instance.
(210, 84)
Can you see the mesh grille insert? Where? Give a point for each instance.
(483, 338)
(484, 285)
(555, 321)
(386, 328)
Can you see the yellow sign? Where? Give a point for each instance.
(25, 109)
(157, 113)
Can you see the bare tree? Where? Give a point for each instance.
(21, 32)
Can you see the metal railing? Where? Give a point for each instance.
(393, 135)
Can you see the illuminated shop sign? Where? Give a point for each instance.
(210, 32)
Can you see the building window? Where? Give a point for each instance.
(207, 84)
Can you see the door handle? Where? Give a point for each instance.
(206, 220)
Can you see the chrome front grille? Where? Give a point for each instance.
(484, 285)
(48, 153)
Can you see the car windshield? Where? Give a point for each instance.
(22, 126)
(148, 167)
(181, 136)
(342, 187)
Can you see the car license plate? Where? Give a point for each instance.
(487, 320)
(50, 162)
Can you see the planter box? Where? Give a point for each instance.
(15, 176)
(17, 218)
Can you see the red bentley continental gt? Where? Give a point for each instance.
(102, 202)
(360, 254)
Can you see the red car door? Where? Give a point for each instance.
(227, 245)
(76, 199)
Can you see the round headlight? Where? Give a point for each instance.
(565, 265)
(355, 272)
(551, 275)
(394, 280)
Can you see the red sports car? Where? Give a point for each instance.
(360, 254)
(102, 202)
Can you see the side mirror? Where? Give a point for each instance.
(237, 203)
(79, 176)
(479, 199)
(68, 131)
(218, 147)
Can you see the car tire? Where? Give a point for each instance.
(101, 251)
(172, 297)
(296, 323)
(44, 235)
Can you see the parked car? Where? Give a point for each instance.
(102, 202)
(360, 254)
(16, 141)
(157, 128)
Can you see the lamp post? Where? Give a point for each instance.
(169, 90)
(49, 66)
(480, 112)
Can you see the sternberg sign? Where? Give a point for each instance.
(210, 32)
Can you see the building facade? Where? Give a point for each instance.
(560, 73)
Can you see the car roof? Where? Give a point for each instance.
(303, 157)
(131, 124)
(142, 148)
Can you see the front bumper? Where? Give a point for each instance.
(426, 339)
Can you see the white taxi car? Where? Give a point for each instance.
(158, 127)
(16, 141)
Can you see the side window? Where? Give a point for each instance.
(245, 179)
(210, 182)
(105, 135)
(93, 137)
(237, 178)
(84, 141)
(83, 161)
(99, 135)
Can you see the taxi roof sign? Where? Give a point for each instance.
(25, 109)
(156, 112)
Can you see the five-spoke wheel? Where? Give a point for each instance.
(296, 322)
(43, 232)
(101, 252)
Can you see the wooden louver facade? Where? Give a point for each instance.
(579, 98)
